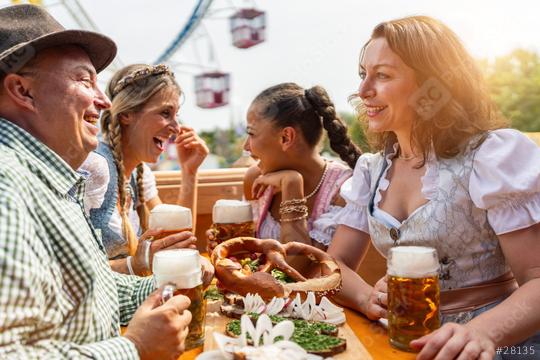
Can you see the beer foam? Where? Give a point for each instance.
(181, 267)
(412, 261)
(170, 217)
(231, 212)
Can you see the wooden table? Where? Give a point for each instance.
(371, 334)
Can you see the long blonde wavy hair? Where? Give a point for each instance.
(435, 53)
(131, 98)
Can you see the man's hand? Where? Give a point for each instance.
(159, 332)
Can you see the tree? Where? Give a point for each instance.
(514, 84)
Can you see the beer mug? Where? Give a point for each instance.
(179, 271)
(171, 218)
(413, 294)
(232, 218)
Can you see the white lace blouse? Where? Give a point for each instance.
(96, 187)
(505, 181)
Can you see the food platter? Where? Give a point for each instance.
(217, 322)
(270, 307)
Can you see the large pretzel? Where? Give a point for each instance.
(230, 274)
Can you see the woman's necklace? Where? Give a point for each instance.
(320, 182)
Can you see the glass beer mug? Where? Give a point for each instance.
(171, 218)
(179, 270)
(232, 218)
(413, 294)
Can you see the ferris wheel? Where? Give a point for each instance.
(212, 85)
(247, 26)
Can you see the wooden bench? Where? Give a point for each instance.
(227, 184)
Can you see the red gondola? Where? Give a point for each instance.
(248, 28)
(212, 89)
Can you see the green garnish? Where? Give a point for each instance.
(213, 293)
(281, 276)
(309, 335)
(252, 264)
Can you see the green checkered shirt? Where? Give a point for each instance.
(59, 297)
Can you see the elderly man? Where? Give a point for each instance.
(58, 295)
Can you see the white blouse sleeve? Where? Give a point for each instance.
(149, 183)
(355, 191)
(324, 227)
(97, 182)
(505, 180)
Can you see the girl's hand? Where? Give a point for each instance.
(211, 242)
(208, 271)
(191, 149)
(275, 180)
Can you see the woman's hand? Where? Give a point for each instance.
(276, 180)
(191, 149)
(455, 341)
(142, 261)
(377, 302)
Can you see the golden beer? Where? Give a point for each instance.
(413, 294)
(180, 271)
(413, 309)
(197, 308)
(232, 218)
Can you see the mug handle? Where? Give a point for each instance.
(167, 293)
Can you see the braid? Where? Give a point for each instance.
(142, 209)
(340, 141)
(115, 141)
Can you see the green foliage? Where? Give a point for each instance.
(225, 143)
(514, 84)
(355, 130)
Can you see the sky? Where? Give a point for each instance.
(310, 42)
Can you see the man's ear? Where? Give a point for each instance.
(288, 137)
(19, 89)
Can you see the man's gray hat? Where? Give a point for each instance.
(27, 29)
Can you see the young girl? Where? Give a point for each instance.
(295, 188)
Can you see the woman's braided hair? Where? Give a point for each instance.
(288, 104)
(143, 82)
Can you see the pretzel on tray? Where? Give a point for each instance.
(233, 277)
